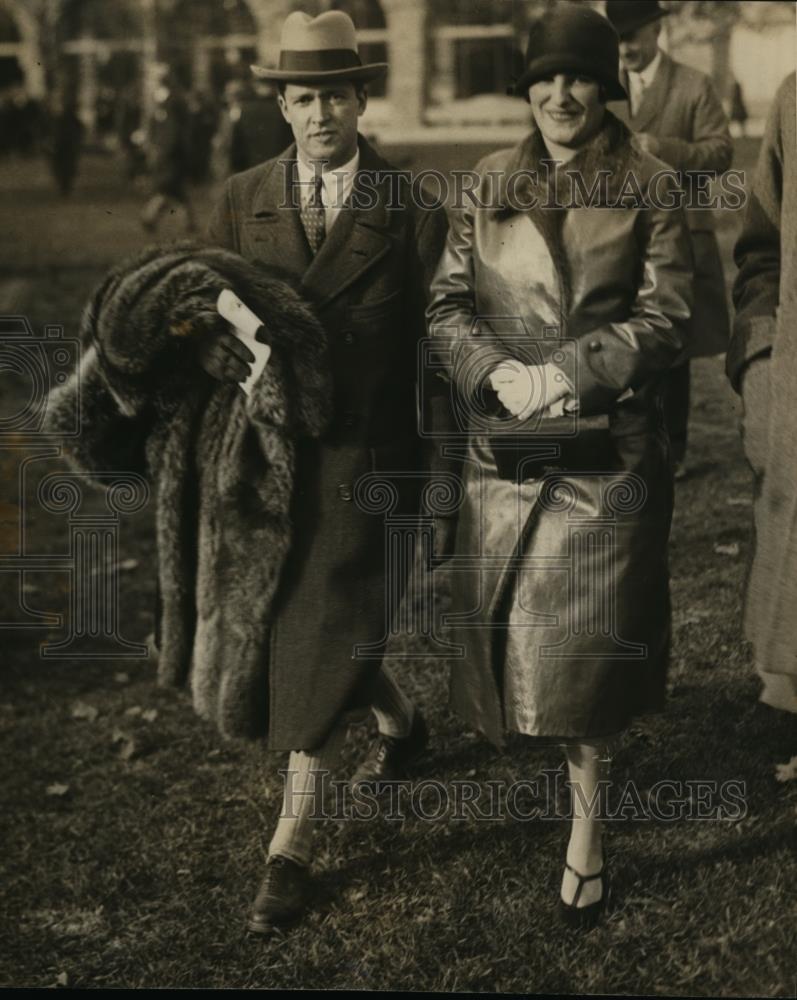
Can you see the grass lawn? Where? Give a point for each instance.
(134, 839)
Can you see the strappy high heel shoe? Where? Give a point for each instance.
(584, 917)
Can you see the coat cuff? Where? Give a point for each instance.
(586, 364)
(751, 338)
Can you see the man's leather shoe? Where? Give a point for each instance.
(389, 756)
(282, 897)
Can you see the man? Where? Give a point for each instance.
(169, 155)
(679, 118)
(319, 214)
(252, 126)
(765, 297)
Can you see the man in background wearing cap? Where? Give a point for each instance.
(679, 118)
(318, 213)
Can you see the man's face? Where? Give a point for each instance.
(324, 120)
(638, 48)
(567, 109)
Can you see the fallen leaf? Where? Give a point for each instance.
(57, 789)
(134, 710)
(128, 564)
(739, 501)
(121, 678)
(62, 979)
(150, 715)
(786, 772)
(128, 748)
(727, 550)
(80, 710)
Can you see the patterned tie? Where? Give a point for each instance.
(313, 218)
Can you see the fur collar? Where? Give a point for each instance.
(598, 176)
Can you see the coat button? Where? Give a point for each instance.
(344, 491)
(348, 339)
(595, 345)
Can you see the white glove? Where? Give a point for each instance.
(528, 389)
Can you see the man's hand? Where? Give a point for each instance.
(528, 389)
(224, 357)
(648, 143)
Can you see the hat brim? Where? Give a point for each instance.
(634, 24)
(553, 63)
(362, 74)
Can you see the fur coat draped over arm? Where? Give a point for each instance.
(221, 463)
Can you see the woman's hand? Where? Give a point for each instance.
(528, 389)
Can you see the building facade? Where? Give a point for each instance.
(450, 60)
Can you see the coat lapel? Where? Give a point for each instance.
(359, 239)
(654, 97)
(274, 225)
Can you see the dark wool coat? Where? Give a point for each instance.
(682, 110)
(563, 531)
(221, 464)
(762, 363)
(368, 282)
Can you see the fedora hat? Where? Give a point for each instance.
(628, 15)
(319, 50)
(572, 38)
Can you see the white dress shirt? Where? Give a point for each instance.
(638, 83)
(336, 185)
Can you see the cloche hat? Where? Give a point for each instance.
(573, 38)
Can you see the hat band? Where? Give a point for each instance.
(318, 60)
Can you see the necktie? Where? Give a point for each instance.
(312, 216)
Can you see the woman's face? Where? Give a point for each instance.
(567, 109)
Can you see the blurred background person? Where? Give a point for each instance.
(678, 117)
(168, 153)
(737, 110)
(129, 134)
(202, 122)
(23, 122)
(252, 128)
(762, 367)
(64, 142)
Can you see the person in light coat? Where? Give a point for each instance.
(557, 318)
(762, 367)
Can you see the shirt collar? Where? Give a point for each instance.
(648, 74)
(337, 181)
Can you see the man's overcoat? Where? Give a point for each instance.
(682, 110)
(762, 364)
(367, 283)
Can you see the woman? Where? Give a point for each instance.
(561, 298)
